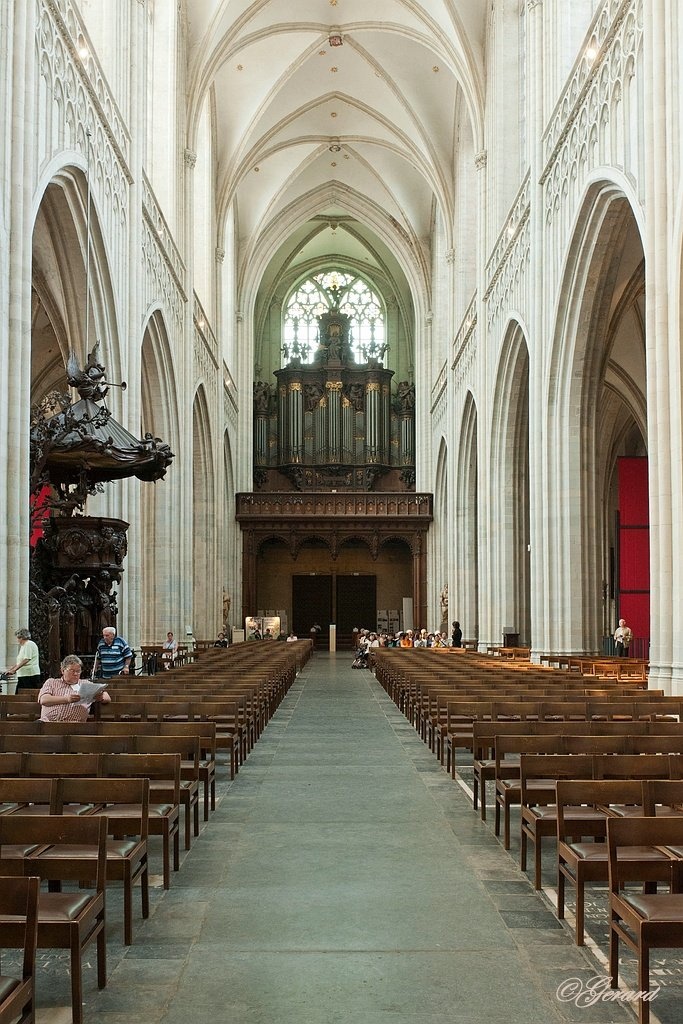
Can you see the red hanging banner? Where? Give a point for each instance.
(633, 590)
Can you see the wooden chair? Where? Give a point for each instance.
(127, 839)
(188, 748)
(19, 903)
(579, 862)
(25, 796)
(66, 920)
(164, 810)
(223, 715)
(539, 774)
(207, 754)
(507, 772)
(643, 921)
(52, 766)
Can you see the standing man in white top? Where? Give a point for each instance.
(27, 665)
(622, 639)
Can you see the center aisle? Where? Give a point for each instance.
(344, 878)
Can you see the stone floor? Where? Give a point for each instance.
(343, 879)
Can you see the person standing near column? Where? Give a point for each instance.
(27, 665)
(622, 639)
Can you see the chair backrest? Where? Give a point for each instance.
(636, 831)
(55, 765)
(551, 767)
(19, 899)
(632, 766)
(34, 743)
(107, 792)
(160, 710)
(592, 744)
(662, 792)
(26, 791)
(658, 743)
(514, 745)
(11, 764)
(513, 709)
(593, 792)
(117, 710)
(155, 767)
(187, 746)
(100, 744)
(58, 830)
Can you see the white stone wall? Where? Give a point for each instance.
(86, 114)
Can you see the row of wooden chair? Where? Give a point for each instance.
(163, 771)
(204, 731)
(490, 739)
(68, 813)
(123, 801)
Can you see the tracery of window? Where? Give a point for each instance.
(322, 293)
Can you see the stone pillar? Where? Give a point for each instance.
(663, 355)
(132, 353)
(543, 630)
(419, 580)
(17, 178)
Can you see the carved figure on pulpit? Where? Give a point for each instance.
(90, 381)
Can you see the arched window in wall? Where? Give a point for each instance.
(322, 293)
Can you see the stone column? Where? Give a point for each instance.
(544, 623)
(129, 609)
(663, 358)
(17, 177)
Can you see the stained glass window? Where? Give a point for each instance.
(325, 291)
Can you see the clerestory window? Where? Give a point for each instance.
(322, 293)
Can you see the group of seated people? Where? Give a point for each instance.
(365, 639)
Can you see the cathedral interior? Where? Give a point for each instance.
(376, 288)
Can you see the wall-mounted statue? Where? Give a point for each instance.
(405, 397)
(263, 394)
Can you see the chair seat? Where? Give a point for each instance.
(61, 907)
(122, 848)
(7, 986)
(549, 812)
(598, 852)
(665, 908)
(129, 810)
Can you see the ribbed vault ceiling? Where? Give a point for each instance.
(302, 125)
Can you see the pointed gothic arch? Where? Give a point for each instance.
(509, 486)
(160, 517)
(596, 401)
(465, 608)
(206, 597)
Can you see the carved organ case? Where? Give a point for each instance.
(333, 423)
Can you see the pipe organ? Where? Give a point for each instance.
(334, 424)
